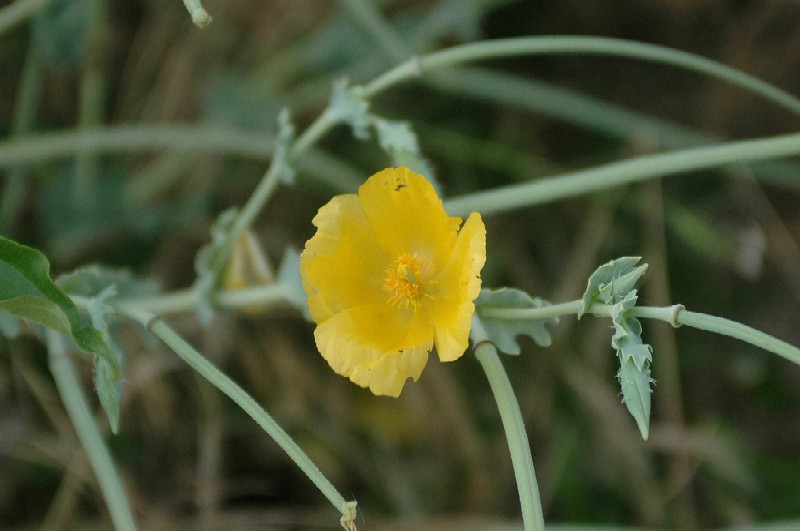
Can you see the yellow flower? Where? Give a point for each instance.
(388, 274)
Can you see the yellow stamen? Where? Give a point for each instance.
(406, 279)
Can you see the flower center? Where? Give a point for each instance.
(406, 279)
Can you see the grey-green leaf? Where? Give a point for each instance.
(504, 329)
(349, 106)
(635, 386)
(611, 282)
(399, 140)
(635, 358)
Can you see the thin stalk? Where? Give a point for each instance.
(69, 387)
(621, 173)
(272, 178)
(527, 46)
(232, 390)
(516, 436)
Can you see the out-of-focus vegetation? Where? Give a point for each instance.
(186, 118)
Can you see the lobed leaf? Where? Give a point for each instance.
(399, 140)
(636, 391)
(503, 332)
(349, 106)
(635, 358)
(611, 282)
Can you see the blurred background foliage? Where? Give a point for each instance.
(725, 441)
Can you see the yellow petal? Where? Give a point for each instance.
(376, 346)
(458, 286)
(389, 375)
(407, 216)
(342, 265)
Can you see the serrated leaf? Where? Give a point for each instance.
(635, 386)
(349, 106)
(29, 293)
(627, 338)
(503, 331)
(611, 282)
(635, 358)
(396, 136)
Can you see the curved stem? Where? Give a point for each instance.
(526, 46)
(136, 138)
(620, 173)
(69, 388)
(521, 459)
(232, 390)
(726, 327)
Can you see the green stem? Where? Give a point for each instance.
(69, 387)
(620, 173)
(186, 300)
(222, 382)
(485, 351)
(132, 138)
(526, 46)
(675, 315)
(726, 327)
